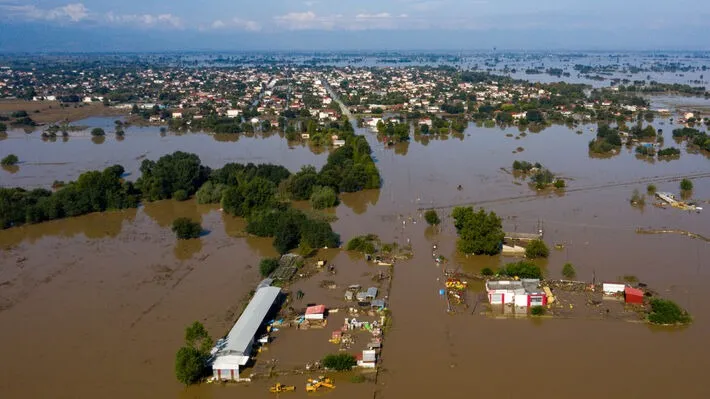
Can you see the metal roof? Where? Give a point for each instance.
(240, 337)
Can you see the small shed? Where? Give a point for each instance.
(361, 296)
(349, 295)
(377, 304)
(613, 288)
(633, 295)
(371, 293)
(316, 312)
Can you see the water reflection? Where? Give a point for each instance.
(401, 148)
(431, 232)
(12, 169)
(98, 139)
(164, 212)
(234, 226)
(186, 249)
(226, 137)
(93, 226)
(360, 201)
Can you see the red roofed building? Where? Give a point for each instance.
(633, 295)
(315, 312)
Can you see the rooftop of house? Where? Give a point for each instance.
(523, 286)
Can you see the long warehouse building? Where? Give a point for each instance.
(236, 350)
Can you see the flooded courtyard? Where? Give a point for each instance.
(104, 298)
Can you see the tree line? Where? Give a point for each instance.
(259, 193)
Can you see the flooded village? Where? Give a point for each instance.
(107, 296)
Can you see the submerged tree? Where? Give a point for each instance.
(480, 233)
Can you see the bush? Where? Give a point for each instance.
(669, 152)
(686, 185)
(323, 197)
(487, 271)
(181, 195)
(185, 228)
(339, 362)
(97, 132)
(537, 310)
(522, 269)
(537, 249)
(364, 244)
(559, 183)
(268, 265)
(568, 271)
(637, 198)
(10, 160)
(651, 188)
(432, 217)
(664, 311)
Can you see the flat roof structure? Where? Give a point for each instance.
(241, 337)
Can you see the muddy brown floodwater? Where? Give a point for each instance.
(96, 306)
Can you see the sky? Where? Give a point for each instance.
(309, 25)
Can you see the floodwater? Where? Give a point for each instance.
(105, 298)
(44, 161)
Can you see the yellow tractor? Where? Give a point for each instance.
(279, 388)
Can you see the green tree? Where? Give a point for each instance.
(3, 127)
(210, 193)
(186, 228)
(268, 265)
(189, 365)
(686, 185)
(664, 311)
(431, 217)
(173, 172)
(196, 336)
(191, 359)
(339, 361)
(323, 197)
(479, 232)
(537, 249)
(10, 160)
(568, 271)
(522, 269)
(97, 132)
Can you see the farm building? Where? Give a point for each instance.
(633, 295)
(521, 293)
(236, 348)
(316, 312)
(613, 288)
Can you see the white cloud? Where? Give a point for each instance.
(373, 16)
(306, 20)
(146, 20)
(73, 12)
(237, 23)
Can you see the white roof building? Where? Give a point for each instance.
(236, 349)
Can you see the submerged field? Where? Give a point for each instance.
(104, 298)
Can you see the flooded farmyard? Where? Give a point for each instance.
(105, 296)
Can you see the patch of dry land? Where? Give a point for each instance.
(44, 112)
